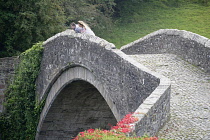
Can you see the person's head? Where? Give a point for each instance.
(81, 24)
(73, 25)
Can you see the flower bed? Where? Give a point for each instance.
(119, 132)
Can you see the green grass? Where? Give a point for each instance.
(144, 19)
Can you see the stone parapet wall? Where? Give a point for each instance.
(154, 112)
(189, 46)
(7, 66)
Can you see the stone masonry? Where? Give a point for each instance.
(179, 55)
(125, 85)
(7, 66)
(190, 97)
(79, 104)
(189, 46)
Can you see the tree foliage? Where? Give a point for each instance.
(24, 23)
(97, 13)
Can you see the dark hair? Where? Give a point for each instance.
(81, 24)
(73, 24)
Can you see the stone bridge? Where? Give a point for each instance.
(88, 83)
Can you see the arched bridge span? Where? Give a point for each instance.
(88, 83)
(76, 104)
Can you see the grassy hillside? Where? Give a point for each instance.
(142, 19)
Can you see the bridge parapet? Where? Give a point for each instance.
(190, 46)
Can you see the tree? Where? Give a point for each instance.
(24, 23)
(97, 13)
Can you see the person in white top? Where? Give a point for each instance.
(76, 27)
(85, 28)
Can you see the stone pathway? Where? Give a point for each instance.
(190, 97)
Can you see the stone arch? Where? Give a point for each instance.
(72, 84)
(126, 85)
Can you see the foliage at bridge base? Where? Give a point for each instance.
(19, 121)
(121, 131)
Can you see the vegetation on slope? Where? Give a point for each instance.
(139, 19)
(24, 23)
(19, 121)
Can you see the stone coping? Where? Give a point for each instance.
(70, 33)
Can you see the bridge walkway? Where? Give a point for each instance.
(190, 96)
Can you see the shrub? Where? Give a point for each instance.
(19, 121)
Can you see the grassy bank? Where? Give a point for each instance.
(142, 19)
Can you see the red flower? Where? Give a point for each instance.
(115, 127)
(153, 138)
(82, 134)
(90, 130)
(125, 130)
(123, 126)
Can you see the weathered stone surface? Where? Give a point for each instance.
(189, 46)
(190, 98)
(188, 86)
(117, 75)
(78, 107)
(7, 66)
(122, 82)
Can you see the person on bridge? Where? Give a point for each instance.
(85, 28)
(76, 27)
